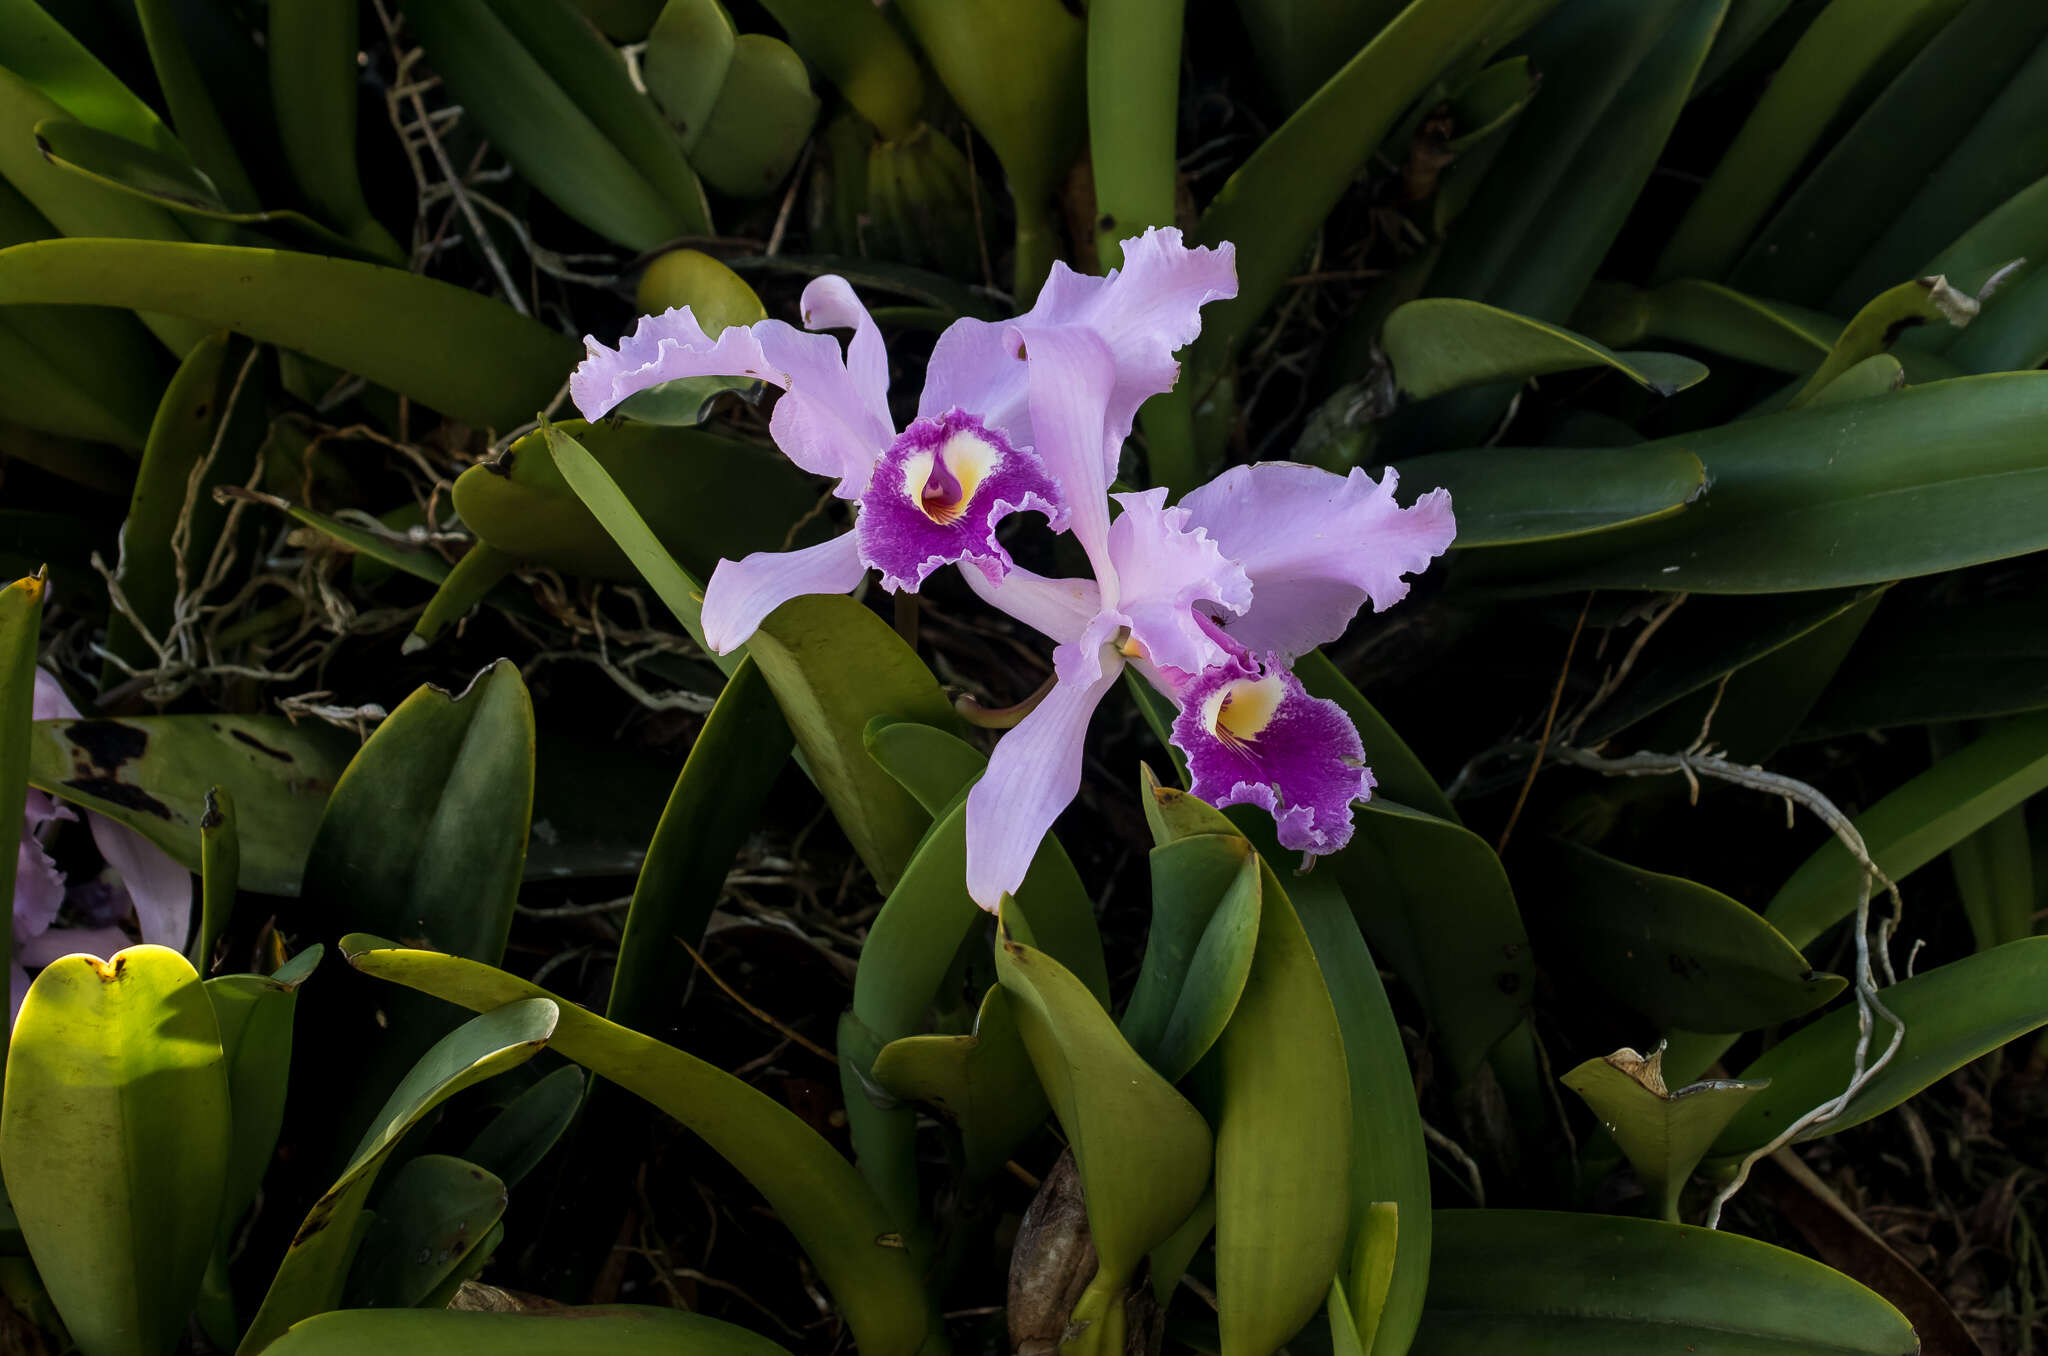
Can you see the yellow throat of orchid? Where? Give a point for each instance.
(1239, 711)
(943, 485)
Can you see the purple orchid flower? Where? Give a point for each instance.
(933, 494)
(1210, 600)
(158, 888)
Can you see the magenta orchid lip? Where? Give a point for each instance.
(1210, 599)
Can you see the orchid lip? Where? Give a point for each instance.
(938, 493)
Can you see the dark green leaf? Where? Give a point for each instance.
(431, 1213)
(1513, 496)
(1440, 344)
(604, 1330)
(519, 1136)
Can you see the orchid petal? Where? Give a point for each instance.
(822, 422)
(1057, 608)
(49, 701)
(829, 303)
(38, 888)
(663, 348)
(937, 496)
(742, 593)
(17, 990)
(1162, 569)
(1033, 774)
(973, 369)
(160, 887)
(1259, 738)
(1317, 546)
(1070, 376)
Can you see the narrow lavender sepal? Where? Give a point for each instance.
(741, 593)
(1317, 546)
(937, 495)
(1259, 738)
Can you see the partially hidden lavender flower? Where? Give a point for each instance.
(158, 888)
(933, 493)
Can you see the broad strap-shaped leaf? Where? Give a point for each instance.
(255, 1014)
(1953, 1013)
(432, 1212)
(462, 353)
(850, 1238)
(310, 1279)
(1199, 952)
(1679, 952)
(1773, 334)
(1509, 497)
(717, 800)
(153, 773)
(1955, 660)
(1283, 1138)
(1547, 1284)
(1142, 1151)
(115, 1131)
(521, 1134)
(21, 623)
(1875, 328)
(601, 1330)
(835, 666)
(1440, 344)
(982, 1081)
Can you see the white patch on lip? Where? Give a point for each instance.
(1239, 711)
(968, 457)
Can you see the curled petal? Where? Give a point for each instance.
(1057, 608)
(1032, 776)
(1317, 546)
(1258, 738)
(937, 496)
(1163, 567)
(38, 889)
(743, 592)
(663, 348)
(160, 887)
(825, 421)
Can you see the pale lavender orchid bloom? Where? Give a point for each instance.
(933, 494)
(159, 888)
(1301, 550)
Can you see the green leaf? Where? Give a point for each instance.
(1953, 1014)
(1880, 323)
(1664, 1133)
(521, 1135)
(1876, 375)
(153, 773)
(310, 1279)
(1441, 344)
(1134, 56)
(2012, 338)
(610, 505)
(1282, 1139)
(40, 51)
(1958, 660)
(1916, 823)
(171, 33)
(1707, 639)
(1830, 497)
(602, 1330)
(761, 120)
(255, 1015)
(313, 48)
(1994, 870)
(833, 1214)
(1839, 51)
(860, 51)
(835, 666)
(172, 498)
(1142, 1151)
(1516, 496)
(115, 1131)
(177, 186)
(220, 873)
(557, 112)
(689, 50)
(1198, 954)
(21, 622)
(431, 1213)
(1544, 1284)
(703, 497)
(983, 1082)
(1272, 206)
(1671, 949)
(426, 831)
(931, 764)
(2014, 232)
(1838, 210)
(481, 569)
(717, 801)
(460, 352)
(1706, 315)
(1399, 774)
